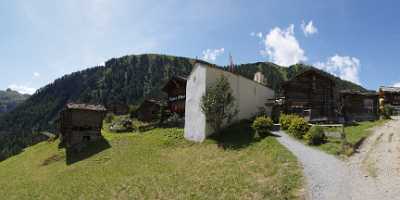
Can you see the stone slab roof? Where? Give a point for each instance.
(75, 106)
(310, 70)
(356, 92)
(389, 89)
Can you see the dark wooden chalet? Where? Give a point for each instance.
(176, 91)
(311, 94)
(148, 110)
(359, 106)
(390, 96)
(80, 123)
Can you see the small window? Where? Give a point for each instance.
(314, 84)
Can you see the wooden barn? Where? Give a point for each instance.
(80, 123)
(148, 110)
(176, 91)
(359, 106)
(311, 94)
(390, 96)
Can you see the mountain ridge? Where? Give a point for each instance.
(9, 99)
(128, 80)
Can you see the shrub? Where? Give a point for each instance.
(347, 149)
(285, 120)
(387, 112)
(109, 118)
(298, 127)
(315, 136)
(133, 111)
(262, 125)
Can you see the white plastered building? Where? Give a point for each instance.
(249, 97)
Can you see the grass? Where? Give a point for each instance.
(158, 164)
(354, 134)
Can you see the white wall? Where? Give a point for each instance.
(249, 95)
(195, 120)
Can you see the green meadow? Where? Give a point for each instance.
(158, 164)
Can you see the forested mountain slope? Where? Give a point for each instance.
(128, 79)
(9, 99)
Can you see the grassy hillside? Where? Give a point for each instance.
(128, 80)
(9, 99)
(158, 164)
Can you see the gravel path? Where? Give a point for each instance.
(373, 173)
(326, 176)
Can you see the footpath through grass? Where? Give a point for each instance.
(158, 164)
(354, 135)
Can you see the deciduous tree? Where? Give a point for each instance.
(218, 104)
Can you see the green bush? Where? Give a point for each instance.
(315, 136)
(133, 111)
(298, 127)
(387, 112)
(285, 120)
(262, 125)
(347, 149)
(109, 118)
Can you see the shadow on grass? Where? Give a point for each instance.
(86, 150)
(238, 135)
(351, 123)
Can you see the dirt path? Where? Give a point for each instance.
(378, 161)
(373, 173)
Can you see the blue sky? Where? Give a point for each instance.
(45, 39)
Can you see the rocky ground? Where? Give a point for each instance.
(372, 173)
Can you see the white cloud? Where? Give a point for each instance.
(212, 54)
(282, 47)
(308, 29)
(344, 67)
(22, 89)
(396, 84)
(36, 74)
